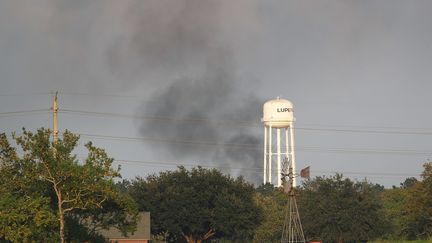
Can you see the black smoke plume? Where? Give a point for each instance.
(186, 50)
(209, 120)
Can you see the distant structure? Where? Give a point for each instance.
(292, 231)
(278, 115)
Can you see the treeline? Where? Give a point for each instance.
(337, 209)
(48, 195)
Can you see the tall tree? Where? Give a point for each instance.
(198, 205)
(25, 212)
(25, 219)
(419, 206)
(273, 204)
(395, 201)
(340, 210)
(52, 171)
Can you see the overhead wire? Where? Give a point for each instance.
(414, 131)
(218, 144)
(256, 146)
(181, 141)
(70, 93)
(25, 112)
(366, 126)
(100, 94)
(365, 131)
(160, 118)
(240, 123)
(233, 145)
(25, 94)
(258, 169)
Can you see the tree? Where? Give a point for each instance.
(73, 189)
(26, 220)
(340, 210)
(419, 206)
(198, 205)
(25, 213)
(395, 202)
(408, 183)
(273, 204)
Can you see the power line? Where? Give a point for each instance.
(180, 141)
(26, 94)
(239, 123)
(367, 151)
(18, 113)
(71, 94)
(203, 120)
(258, 146)
(365, 131)
(102, 95)
(219, 144)
(257, 169)
(417, 131)
(366, 127)
(161, 118)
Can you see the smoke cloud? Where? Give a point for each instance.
(182, 55)
(342, 63)
(206, 112)
(166, 40)
(189, 46)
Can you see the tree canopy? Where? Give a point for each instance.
(49, 185)
(49, 195)
(419, 206)
(273, 201)
(198, 204)
(340, 210)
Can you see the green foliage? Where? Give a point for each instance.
(25, 213)
(409, 182)
(26, 219)
(273, 203)
(267, 190)
(339, 210)
(197, 205)
(419, 206)
(49, 185)
(394, 202)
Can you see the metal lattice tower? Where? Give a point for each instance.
(292, 230)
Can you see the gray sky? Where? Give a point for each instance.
(357, 72)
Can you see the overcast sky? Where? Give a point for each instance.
(358, 73)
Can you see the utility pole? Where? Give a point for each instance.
(55, 122)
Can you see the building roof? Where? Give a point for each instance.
(142, 232)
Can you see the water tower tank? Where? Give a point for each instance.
(278, 113)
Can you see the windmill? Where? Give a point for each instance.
(292, 230)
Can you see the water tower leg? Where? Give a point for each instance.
(278, 140)
(286, 144)
(293, 153)
(270, 155)
(265, 155)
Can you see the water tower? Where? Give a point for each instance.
(278, 115)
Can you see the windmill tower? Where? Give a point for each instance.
(292, 230)
(278, 116)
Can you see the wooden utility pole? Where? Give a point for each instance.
(55, 124)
